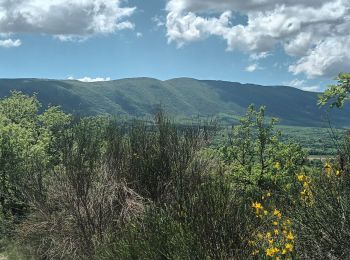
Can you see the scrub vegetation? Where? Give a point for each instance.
(102, 188)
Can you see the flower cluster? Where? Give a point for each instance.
(306, 194)
(328, 169)
(259, 209)
(277, 166)
(277, 240)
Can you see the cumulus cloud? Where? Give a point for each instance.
(88, 79)
(316, 32)
(65, 19)
(329, 57)
(10, 43)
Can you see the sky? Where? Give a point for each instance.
(299, 43)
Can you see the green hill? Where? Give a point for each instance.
(182, 98)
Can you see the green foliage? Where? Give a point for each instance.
(160, 236)
(317, 142)
(100, 188)
(20, 109)
(257, 157)
(323, 227)
(25, 141)
(336, 95)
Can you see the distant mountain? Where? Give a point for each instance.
(181, 98)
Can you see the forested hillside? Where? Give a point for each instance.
(181, 98)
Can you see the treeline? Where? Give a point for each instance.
(99, 188)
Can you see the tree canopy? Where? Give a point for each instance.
(337, 94)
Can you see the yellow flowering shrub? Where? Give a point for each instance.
(328, 168)
(306, 194)
(330, 171)
(275, 239)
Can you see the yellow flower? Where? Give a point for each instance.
(328, 168)
(337, 173)
(271, 251)
(277, 258)
(328, 165)
(275, 223)
(257, 205)
(258, 208)
(260, 236)
(255, 252)
(268, 194)
(284, 251)
(268, 235)
(277, 166)
(290, 236)
(270, 241)
(277, 213)
(301, 178)
(266, 212)
(276, 232)
(289, 247)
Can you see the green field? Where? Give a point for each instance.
(317, 141)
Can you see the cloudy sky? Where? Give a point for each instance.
(273, 42)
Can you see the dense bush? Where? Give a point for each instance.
(100, 188)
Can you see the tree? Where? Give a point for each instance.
(28, 147)
(336, 95)
(258, 157)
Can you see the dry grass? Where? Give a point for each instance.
(73, 221)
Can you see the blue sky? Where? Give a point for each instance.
(167, 39)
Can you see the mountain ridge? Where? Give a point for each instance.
(182, 98)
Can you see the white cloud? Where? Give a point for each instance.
(10, 43)
(158, 20)
(139, 35)
(259, 56)
(252, 67)
(329, 57)
(302, 84)
(297, 83)
(304, 28)
(312, 88)
(65, 19)
(88, 79)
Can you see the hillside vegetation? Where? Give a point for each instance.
(181, 98)
(101, 188)
(96, 188)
